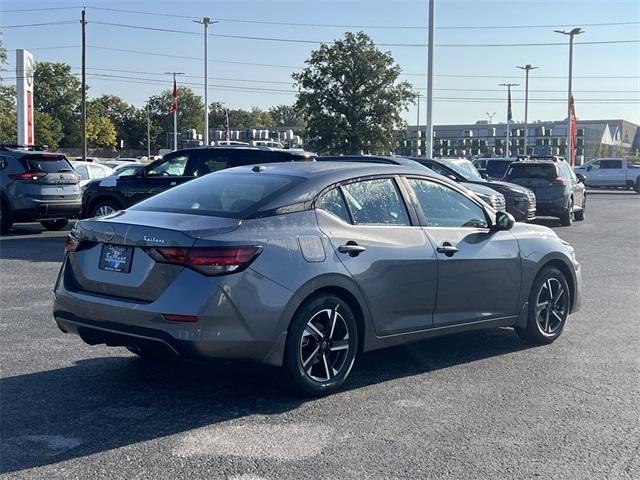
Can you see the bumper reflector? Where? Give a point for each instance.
(179, 318)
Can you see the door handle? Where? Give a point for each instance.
(351, 248)
(448, 249)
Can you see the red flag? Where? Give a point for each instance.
(573, 122)
(174, 106)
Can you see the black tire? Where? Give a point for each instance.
(5, 217)
(103, 203)
(566, 219)
(547, 315)
(54, 225)
(314, 350)
(637, 186)
(579, 216)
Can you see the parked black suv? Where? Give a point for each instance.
(36, 185)
(110, 194)
(558, 191)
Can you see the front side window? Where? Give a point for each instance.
(376, 202)
(594, 166)
(97, 172)
(444, 207)
(497, 168)
(82, 171)
(333, 203)
(172, 167)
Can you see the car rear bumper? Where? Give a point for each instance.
(551, 207)
(42, 210)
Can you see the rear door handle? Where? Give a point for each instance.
(351, 248)
(448, 249)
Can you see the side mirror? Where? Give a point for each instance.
(484, 175)
(580, 178)
(504, 221)
(589, 168)
(452, 177)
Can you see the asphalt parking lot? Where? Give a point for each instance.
(474, 405)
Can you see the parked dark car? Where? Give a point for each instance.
(558, 191)
(495, 168)
(488, 195)
(37, 186)
(119, 192)
(305, 265)
(520, 201)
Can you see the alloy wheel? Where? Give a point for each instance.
(552, 305)
(104, 210)
(324, 345)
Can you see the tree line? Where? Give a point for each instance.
(349, 101)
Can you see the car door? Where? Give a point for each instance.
(593, 175)
(387, 255)
(612, 173)
(162, 175)
(577, 187)
(479, 269)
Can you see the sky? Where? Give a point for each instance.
(251, 72)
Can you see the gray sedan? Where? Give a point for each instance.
(306, 265)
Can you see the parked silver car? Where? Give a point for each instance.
(305, 265)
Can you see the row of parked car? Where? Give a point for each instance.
(46, 187)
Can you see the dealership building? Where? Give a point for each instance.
(594, 138)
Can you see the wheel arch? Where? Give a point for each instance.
(568, 273)
(104, 196)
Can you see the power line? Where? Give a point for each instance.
(385, 27)
(318, 42)
(61, 22)
(39, 9)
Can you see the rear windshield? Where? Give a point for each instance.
(221, 194)
(496, 168)
(531, 170)
(35, 163)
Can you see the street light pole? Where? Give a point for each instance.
(418, 122)
(429, 132)
(206, 21)
(148, 132)
(572, 33)
(509, 116)
(527, 68)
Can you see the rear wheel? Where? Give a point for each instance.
(549, 305)
(321, 345)
(5, 217)
(579, 215)
(637, 186)
(104, 207)
(566, 219)
(55, 224)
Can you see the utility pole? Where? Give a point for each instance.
(575, 31)
(206, 21)
(527, 68)
(507, 152)
(174, 108)
(418, 95)
(429, 133)
(84, 86)
(148, 132)
(491, 115)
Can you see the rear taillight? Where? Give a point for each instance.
(71, 243)
(558, 181)
(208, 261)
(28, 176)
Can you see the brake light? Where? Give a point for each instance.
(208, 261)
(28, 176)
(71, 243)
(558, 181)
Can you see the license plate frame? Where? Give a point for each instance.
(116, 258)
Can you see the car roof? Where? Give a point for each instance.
(291, 151)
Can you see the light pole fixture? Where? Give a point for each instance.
(206, 21)
(507, 152)
(572, 33)
(491, 115)
(527, 68)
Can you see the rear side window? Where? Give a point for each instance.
(497, 168)
(98, 172)
(82, 171)
(333, 203)
(54, 164)
(235, 195)
(545, 171)
(376, 202)
(610, 164)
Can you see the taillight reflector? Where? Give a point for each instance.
(209, 261)
(179, 318)
(28, 176)
(71, 243)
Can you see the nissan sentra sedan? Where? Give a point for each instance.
(306, 265)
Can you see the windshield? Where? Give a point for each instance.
(497, 168)
(126, 171)
(222, 194)
(466, 169)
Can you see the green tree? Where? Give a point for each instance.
(239, 118)
(350, 98)
(190, 114)
(129, 121)
(48, 130)
(8, 114)
(58, 93)
(286, 116)
(101, 133)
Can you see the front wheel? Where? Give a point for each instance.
(566, 219)
(549, 305)
(321, 345)
(580, 214)
(637, 186)
(104, 207)
(54, 225)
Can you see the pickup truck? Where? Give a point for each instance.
(610, 172)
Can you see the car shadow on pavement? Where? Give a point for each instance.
(34, 249)
(101, 404)
(550, 222)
